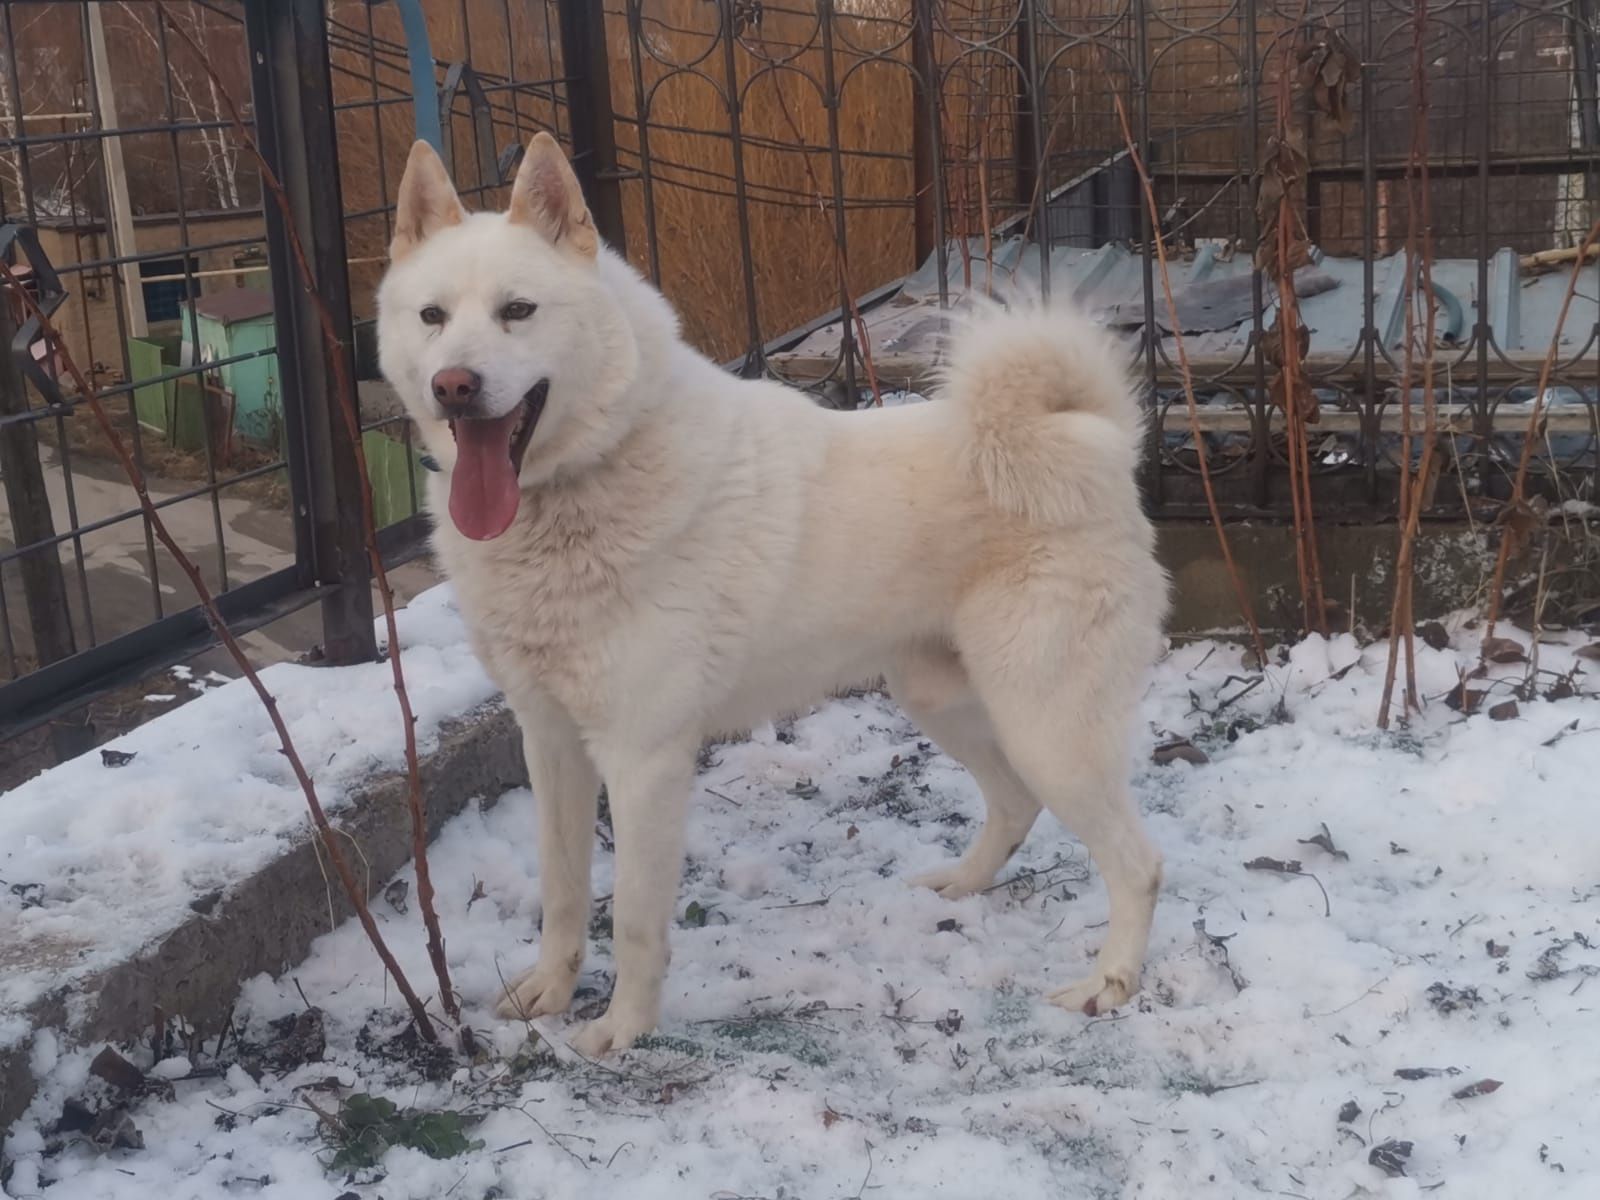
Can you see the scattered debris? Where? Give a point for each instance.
(301, 1039)
(1214, 949)
(1291, 867)
(114, 1129)
(395, 894)
(1446, 999)
(1391, 1157)
(431, 1060)
(1548, 967)
(1324, 841)
(1412, 1074)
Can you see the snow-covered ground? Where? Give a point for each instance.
(105, 853)
(830, 1033)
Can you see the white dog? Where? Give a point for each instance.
(649, 551)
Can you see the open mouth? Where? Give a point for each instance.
(484, 493)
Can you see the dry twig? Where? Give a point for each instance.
(1240, 593)
(152, 514)
(344, 386)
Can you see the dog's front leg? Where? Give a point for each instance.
(566, 788)
(649, 800)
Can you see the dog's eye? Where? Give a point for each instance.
(432, 315)
(517, 310)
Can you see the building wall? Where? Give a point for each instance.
(89, 320)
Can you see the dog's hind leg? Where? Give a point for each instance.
(566, 788)
(930, 684)
(1064, 727)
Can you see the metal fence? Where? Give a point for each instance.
(813, 184)
(127, 185)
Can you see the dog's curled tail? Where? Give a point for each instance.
(1055, 419)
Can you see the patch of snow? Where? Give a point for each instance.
(830, 1032)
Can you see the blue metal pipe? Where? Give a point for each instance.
(424, 91)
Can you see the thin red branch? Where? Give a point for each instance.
(325, 830)
(333, 345)
(1419, 271)
(1519, 485)
(1240, 593)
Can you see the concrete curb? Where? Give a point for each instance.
(268, 920)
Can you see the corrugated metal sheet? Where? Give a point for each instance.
(1214, 296)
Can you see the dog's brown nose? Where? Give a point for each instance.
(455, 388)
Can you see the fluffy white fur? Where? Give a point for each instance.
(694, 554)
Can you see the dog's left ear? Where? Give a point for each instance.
(546, 198)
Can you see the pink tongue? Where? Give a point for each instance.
(483, 486)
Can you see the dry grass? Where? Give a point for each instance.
(167, 463)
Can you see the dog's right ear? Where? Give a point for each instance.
(427, 203)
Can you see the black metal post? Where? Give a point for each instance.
(589, 116)
(292, 89)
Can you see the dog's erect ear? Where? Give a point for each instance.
(427, 203)
(546, 198)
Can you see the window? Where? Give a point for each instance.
(165, 287)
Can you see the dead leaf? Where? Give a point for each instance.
(830, 1118)
(477, 893)
(1415, 1073)
(1504, 650)
(1434, 635)
(1390, 1157)
(1591, 651)
(1506, 710)
(850, 833)
(396, 893)
(117, 758)
(1482, 1088)
(1463, 699)
(1324, 840)
(1181, 749)
(116, 1070)
(1284, 866)
(1495, 950)
(1349, 1111)
(948, 925)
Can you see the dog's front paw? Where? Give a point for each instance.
(1097, 995)
(951, 882)
(610, 1034)
(540, 991)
